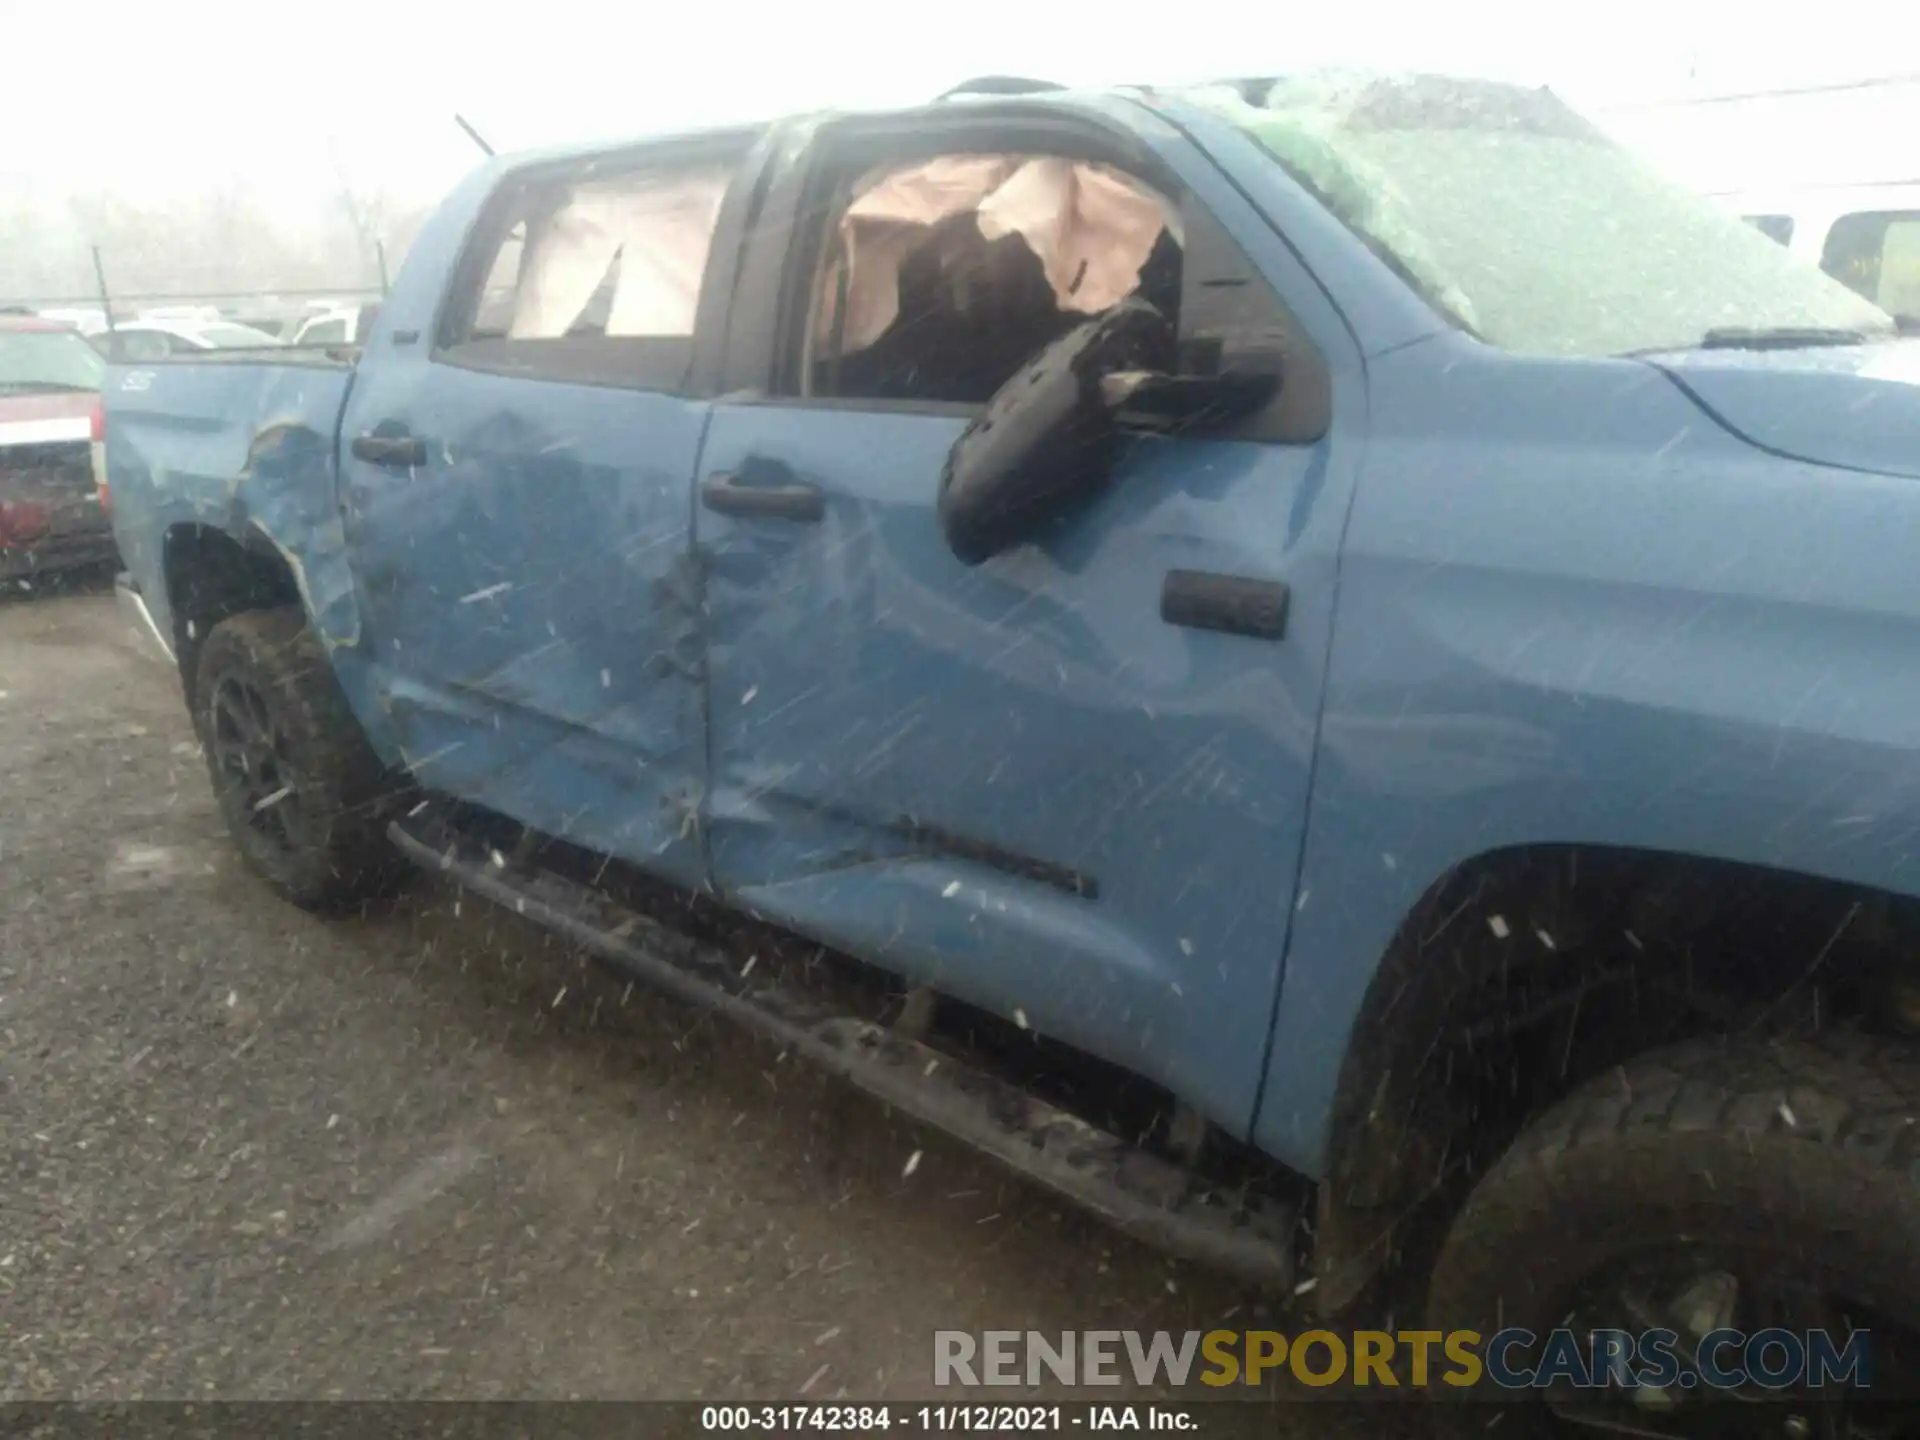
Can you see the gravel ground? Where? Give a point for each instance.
(429, 1153)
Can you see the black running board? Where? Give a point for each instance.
(1132, 1189)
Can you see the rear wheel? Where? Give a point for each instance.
(303, 794)
(1723, 1186)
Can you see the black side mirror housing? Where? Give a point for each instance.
(1046, 441)
(1188, 402)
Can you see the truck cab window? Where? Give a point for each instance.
(594, 278)
(938, 280)
(138, 346)
(493, 312)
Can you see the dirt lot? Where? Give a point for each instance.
(429, 1152)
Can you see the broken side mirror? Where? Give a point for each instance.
(1181, 403)
(1046, 441)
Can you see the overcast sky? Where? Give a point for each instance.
(154, 98)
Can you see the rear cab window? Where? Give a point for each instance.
(593, 272)
(139, 347)
(1777, 228)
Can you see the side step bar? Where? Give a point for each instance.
(1136, 1191)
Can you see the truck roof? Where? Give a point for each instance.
(1038, 92)
(1375, 98)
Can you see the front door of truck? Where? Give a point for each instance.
(518, 505)
(1042, 783)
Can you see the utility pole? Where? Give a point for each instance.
(100, 274)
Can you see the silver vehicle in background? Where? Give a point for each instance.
(158, 337)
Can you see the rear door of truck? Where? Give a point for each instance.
(517, 491)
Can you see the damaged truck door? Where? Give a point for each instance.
(991, 770)
(516, 486)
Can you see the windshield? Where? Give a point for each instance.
(1527, 225)
(48, 360)
(233, 337)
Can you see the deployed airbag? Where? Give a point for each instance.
(658, 227)
(1091, 227)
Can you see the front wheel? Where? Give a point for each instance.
(302, 792)
(1716, 1190)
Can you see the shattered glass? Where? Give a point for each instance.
(1523, 223)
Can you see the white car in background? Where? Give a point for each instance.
(88, 322)
(1865, 236)
(156, 338)
(344, 325)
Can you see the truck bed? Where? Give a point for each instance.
(325, 356)
(235, 442)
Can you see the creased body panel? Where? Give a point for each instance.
(1017, 782)
(531, 625)
(1574, 609)
(247, 449)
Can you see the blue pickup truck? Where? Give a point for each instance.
(1329, 666)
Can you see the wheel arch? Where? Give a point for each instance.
(1522, 972)
(212, 573)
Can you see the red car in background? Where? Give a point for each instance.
(53, 512)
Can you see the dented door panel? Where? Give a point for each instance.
(527, 604)
(1018, 782)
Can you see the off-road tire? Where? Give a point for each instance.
(343, 856)
(1779, 1147)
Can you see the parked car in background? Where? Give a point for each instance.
(1865, 236)
(346, 325)
(285, 318)
(281, 322)
(52, 514)
(156, 339)
(279, 325)
(168, 313)
(88, 321)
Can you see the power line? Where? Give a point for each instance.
(1834, 88)
(1821, 185)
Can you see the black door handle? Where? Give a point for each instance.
(802, 504)
(399, 450)
(1232, 604)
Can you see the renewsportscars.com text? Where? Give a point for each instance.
(1507, 1360)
